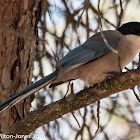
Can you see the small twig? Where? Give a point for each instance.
(79, 18)
(98, 117)
(70, 107)
(121, 14)
(87, 21)
(76, 119)
(137, 97)
(56, 59)
(101, 31)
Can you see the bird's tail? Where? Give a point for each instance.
(27, 91)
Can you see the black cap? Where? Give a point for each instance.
(130, 28)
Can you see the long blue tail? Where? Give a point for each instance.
(27, 91)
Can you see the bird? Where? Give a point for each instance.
(91, 62)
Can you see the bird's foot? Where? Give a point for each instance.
(112, 74)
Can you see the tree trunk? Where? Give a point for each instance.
(18, 20)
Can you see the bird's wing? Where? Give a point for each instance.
(92, 49)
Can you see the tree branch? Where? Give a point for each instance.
(73, 102)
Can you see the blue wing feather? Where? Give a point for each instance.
(92, 49)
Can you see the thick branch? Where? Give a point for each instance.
(73, 102)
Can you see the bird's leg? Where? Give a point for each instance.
(119, 64)
(119, 68)
(111, 74)
(67, 89)
(139, 61)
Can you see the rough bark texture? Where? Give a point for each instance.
(75, 101)
(16, 54)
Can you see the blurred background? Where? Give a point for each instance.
(66, 24)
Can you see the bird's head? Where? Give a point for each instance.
(130, 28)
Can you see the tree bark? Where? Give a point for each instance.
(73, 102)
(18, 19)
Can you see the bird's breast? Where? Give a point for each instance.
(97, 70)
